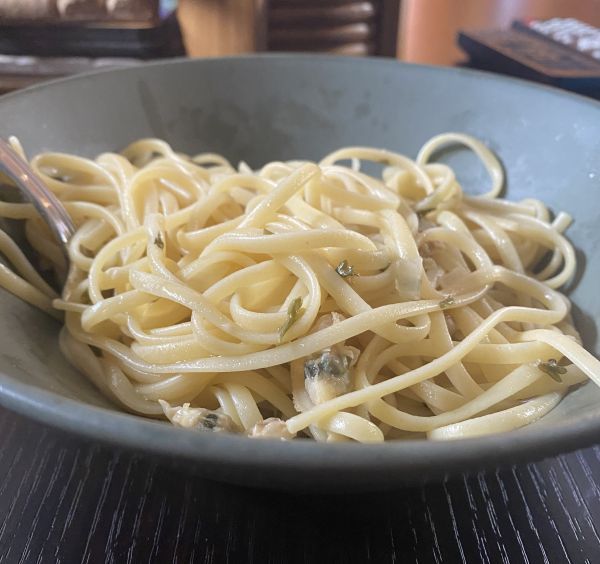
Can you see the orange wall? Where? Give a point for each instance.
(429, 27)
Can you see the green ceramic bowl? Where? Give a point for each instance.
(282, 107)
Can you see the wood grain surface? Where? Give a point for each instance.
(66, 501)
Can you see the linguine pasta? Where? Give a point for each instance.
(307, 299)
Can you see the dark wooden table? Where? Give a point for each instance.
(67, 501)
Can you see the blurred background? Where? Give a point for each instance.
(552, 41)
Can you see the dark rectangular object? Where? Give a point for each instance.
(138, 40)
(525, 55)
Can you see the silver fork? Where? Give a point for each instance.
(36, 192)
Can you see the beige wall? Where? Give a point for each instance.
(429, 27)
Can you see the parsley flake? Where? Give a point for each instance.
(295, 310)
(552, 369)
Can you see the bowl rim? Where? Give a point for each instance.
(397, 461)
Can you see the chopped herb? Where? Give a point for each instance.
(295, 310)
(345, 270)
(210, 421)
(158, 241)
(552, 369)
(447, 302)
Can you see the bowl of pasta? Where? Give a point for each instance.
(307, 272)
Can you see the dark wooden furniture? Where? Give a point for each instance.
(64, 500)
(352, 27)
(338, 26)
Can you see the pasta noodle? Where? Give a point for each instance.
(365, 297)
